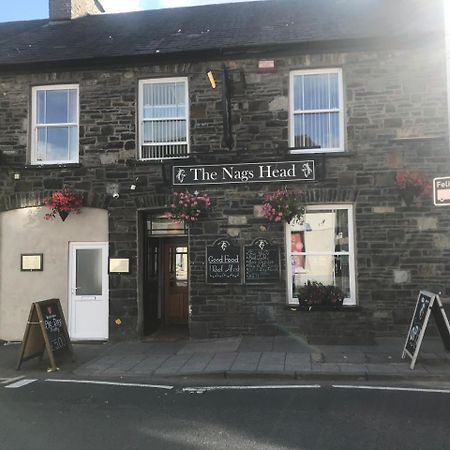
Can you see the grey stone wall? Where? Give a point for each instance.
(396, 118)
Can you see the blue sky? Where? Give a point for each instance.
(38, 9)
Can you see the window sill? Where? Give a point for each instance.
(52, 166)
(315, 151)
(318, 308)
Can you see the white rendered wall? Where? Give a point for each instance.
(26, 231)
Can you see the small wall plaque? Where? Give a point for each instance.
(119, 265)
(32, 262)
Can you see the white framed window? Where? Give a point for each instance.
(163, 118)
(316, 117)
(321, 249)
(55, 124)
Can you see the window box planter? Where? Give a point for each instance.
(316, 296)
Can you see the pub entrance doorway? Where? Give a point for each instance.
(165, 277)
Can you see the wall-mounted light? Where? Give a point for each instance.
(16, 176)
(211, 79)
(135, 184)
(113, 189)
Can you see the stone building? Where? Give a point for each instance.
(330, 98)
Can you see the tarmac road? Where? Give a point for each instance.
(56, 415)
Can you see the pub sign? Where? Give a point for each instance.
(244, 173)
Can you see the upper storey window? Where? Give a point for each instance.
(163, 118)
(55, 123)
(316, 111)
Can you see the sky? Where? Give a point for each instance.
(38, 9)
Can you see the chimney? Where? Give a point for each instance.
(61, 10)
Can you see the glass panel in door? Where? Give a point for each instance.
(89, 271)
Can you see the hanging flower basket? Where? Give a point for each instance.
(187, 207)
(315, 295)
(412, 184)
(63, 203)
(283, 205)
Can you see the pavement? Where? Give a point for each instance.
(286, 357)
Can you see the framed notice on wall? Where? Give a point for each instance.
(31, 262)
(119, 265)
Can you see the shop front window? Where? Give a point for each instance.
(320, 249)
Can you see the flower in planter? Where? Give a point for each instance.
(411, 184)
(188, 207)
(63, 203)
(317, 294)
(283, 205)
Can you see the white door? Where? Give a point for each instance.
(88, 291)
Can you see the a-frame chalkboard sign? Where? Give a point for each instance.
(427, 304)
(46, 330)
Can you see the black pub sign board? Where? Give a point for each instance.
(245, 173)
(262, 262)
(223, 263)
(46, 329)
(427, 303)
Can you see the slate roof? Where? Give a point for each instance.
(215, 28)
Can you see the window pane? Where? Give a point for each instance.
(334, 138)
(342, 233)
(40, 107)
(165, 131)
(89, 272)
(316, 91)
(181, 264)
(41, 144)
(326, 231)
(57, 144)
(315, 268)
(298, 93)
(57, 106)
(328, 270)
(342, 274)
(164, 100)
(73, 143)
(334, 90)
(73, 106)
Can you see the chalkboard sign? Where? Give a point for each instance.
(54, 325)
(223, 263)
(46, 329)
(427, 303)
(262, 262)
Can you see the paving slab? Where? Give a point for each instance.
(256, 344)
(102, 363)
(325, 367)
(196, 363)
(290, 344)
(125, 364)
(296, 362)
(172, 365)
(246, 362)
(221, 362)
(354, 369)
(211, 346)
(272, 362)
(150, 364)
(345, 357)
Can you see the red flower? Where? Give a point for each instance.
(283, 204)
(414, 181)
(64, 201)
(189, 207)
